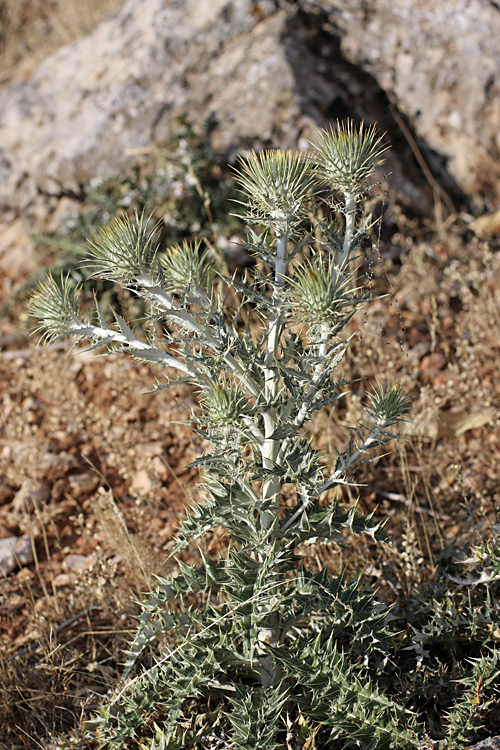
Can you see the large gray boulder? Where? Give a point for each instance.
(261, 74)
(121, 88)
(439, 64)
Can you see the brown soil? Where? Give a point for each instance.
(93, 469)
(112, 461)
(113, 465)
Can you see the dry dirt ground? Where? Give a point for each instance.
(94, 471)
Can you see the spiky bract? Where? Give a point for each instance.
(320, 290)
(224, 402)
(348, 155)
(186, 268)
(278, 185)
(388, 404)
(56, 306)
(125, 251)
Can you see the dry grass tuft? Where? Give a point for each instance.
(137, 555)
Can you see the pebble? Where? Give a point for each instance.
(82, 484)
(77, 563)
(52, 466)
(493, 743)
(143, 483)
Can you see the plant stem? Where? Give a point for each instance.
(350, 222)
(140, 349)
(270, 447)
(348, 463)
(325, 331)
(206, 336)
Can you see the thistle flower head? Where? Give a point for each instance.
(125, 251)
(185, 267)
(388, 404)
(224, 402)
(347, 156)
(278, 184)
(319, 290)
(56, 306)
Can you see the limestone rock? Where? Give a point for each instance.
(439, 64)
(247, 74)
(252, 74)
(119, 89)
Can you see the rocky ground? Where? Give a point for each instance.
(94, 472)
(93, 476)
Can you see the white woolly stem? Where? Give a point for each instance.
(206, 337)
(270, 447)
(348, 463)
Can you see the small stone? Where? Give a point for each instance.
(142, 483)
(487, 226)
(52, 466)
(82, 484)
(159, 468)
(492, 743)
(77, 563)
(62, 579)
(32, 494)
(149, 450)
(431, 366)
(15, 551)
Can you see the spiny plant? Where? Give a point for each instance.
(447, 657)
(182, 185)
(256, 644)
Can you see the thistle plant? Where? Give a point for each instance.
(275, 644)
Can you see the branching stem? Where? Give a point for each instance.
(270, 447)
